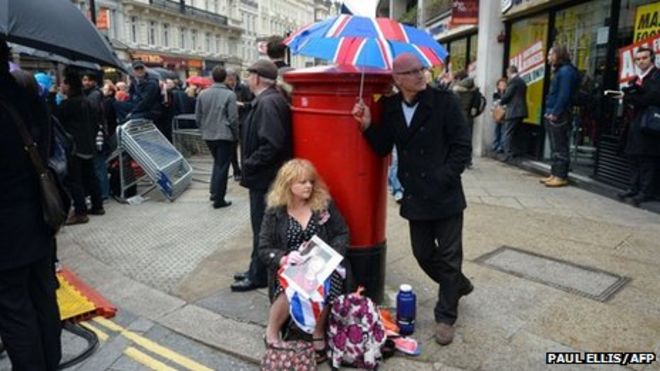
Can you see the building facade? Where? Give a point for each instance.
(189, 37)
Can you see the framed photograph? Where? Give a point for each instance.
(319, 261)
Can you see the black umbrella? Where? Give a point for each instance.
(55, 26)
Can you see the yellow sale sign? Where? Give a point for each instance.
(527, 51)
(647, 22)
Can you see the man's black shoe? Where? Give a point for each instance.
(626, 194)
(221, 204)
(245, 285)
(638, 199)
(237, 177)
(212, 198)
(239, 276)
(467, 288)
(99, 211)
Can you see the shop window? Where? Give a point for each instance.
(152, 33)
(472, 55)
(527, 51)
(184, 36)
(638, 21)
(134, 30)
(584, 30)
(458, 53)
(166, 35)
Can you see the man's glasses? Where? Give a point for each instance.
(415, 72)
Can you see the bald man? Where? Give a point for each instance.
(433, 143)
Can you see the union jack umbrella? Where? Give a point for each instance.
(365, 42)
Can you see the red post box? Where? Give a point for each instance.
(325, 132)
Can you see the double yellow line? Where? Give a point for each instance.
(147, 344)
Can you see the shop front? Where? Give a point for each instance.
(594, 32)
(149, 59)
(456, 30)
(176, 64)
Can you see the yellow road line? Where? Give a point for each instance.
(146, 360)
(152, 346)
(100, 334)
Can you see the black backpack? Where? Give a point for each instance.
(478, 104)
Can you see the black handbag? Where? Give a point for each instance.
(650, 120)
(54, 199)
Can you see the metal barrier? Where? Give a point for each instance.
(162, 163)
(186, 136)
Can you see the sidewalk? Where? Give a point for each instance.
(172, 263)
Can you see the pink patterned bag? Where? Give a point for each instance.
(355, 332)
(289, 356)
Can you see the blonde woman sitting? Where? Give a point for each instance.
(298, 207)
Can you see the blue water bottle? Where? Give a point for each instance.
(406, 308)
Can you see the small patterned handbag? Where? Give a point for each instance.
(289, 356)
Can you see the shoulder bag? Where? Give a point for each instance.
(650, 120)
(295, 355)
(498, 113)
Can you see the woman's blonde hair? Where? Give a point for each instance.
(290, 172)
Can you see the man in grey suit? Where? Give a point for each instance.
(217, 117)
(514, 99)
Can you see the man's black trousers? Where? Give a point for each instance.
(643, 171)
(221, 152)
(257, 273)
(30, 325)
(438, 248)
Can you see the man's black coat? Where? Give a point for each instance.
(640, 143)
(514, 98)
(433, 152)
(266, 139)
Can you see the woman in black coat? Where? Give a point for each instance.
(299, 207)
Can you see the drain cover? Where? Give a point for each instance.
(577, 279)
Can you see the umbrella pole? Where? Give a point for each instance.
(361, 84)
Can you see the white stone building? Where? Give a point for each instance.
(190, 36)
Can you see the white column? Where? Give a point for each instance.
(421, 14)
(397, 8)
(490, 54)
